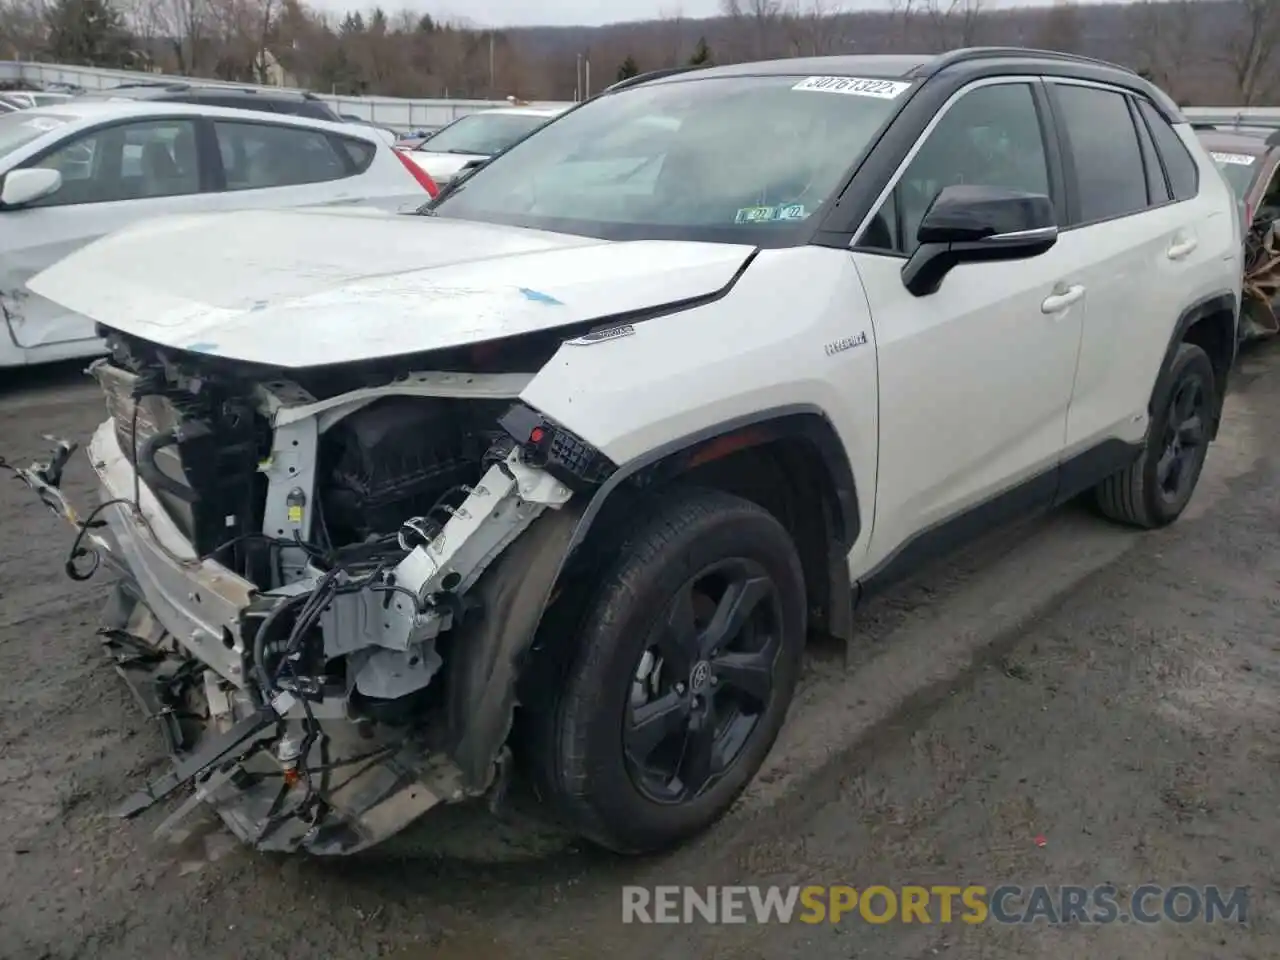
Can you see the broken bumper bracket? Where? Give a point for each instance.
(240, 740)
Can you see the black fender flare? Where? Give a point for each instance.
(1217, 303)
(487, 653)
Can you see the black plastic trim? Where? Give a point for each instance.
(942, 79)
(803, 420)
(1224, 301)
(1035, 495)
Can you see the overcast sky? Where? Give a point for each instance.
(510, 13)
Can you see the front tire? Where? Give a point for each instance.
(679, 677)
(1154, 490)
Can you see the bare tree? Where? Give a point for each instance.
(815, 28)
(901, 20)
(1165, 37)
(671, 39)
(22, 28)
(1061, 28)
(1251, 51)
(955, 23)
(187, 26)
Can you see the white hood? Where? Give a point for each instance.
(301, 288)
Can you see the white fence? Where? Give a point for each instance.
(394, 112)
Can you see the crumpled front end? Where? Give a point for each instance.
(327, 585)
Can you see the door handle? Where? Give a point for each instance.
(1057, 302)
(1183, 248)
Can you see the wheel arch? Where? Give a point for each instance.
(489, 654)
(779, 459)
(1211, 324)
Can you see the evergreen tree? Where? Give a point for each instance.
(701, 54)
(628, 68)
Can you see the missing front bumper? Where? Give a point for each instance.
(354, 786)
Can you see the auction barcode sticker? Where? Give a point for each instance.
(854, 86)
(1239, 159)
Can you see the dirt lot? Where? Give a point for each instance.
(1112, 692)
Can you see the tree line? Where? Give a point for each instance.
(1205, 51)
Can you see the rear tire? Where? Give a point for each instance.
(658, 717)
(1154, 490)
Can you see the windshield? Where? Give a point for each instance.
(1239, 169)
(734, 158)
(484, 134)
(20, 128)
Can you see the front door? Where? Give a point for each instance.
(975, 379)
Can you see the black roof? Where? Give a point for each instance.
(978, 61)
(902, 66)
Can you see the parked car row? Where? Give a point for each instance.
(78, 169)
(552, 480)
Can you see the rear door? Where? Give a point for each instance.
(1137, 230)
(112, 176)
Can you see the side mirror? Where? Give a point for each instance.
(975, 224)
(29, 184)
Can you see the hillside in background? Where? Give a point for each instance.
(1207, 51)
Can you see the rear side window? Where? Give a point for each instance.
(1110, 178)
(315, 109)
(361, 152)
(260, 155)
(1184, 175)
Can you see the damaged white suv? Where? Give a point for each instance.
(553, 479)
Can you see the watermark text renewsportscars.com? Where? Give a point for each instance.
(1004, 904)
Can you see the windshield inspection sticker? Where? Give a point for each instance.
(1238, 159)
(787, 211)
(854, 86)
(755, 214)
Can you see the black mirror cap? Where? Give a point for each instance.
(975, 224)
(967, 213)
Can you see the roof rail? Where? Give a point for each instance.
(640, 78)
(983, 53)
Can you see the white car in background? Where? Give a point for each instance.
(475, 138)
(73, 172)
(26, 99)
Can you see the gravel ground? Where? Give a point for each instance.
(1110, 692)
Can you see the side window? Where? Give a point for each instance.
(990, 137)
(258, 155)
(132, 161)
(1184, 175)
(1104, 146)
(361, 153)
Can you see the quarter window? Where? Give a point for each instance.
(132, 161)
(990, 137)
(258, 155)
(1184, 175)
(1109, 174)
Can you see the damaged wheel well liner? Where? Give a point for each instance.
(789, 460)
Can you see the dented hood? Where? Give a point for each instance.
(302, 288)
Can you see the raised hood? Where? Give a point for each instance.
(302, 288)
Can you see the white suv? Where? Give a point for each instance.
(564, 470)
